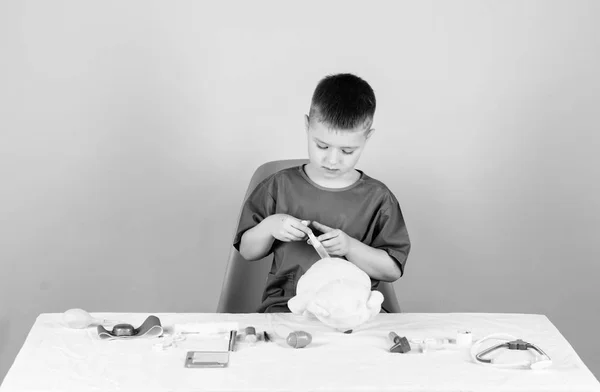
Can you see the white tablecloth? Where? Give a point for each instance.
(56, 358)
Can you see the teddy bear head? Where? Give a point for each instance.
(336, 292)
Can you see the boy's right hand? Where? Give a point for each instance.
(286, 228)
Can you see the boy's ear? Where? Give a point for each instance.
(369, 132)
(306, 122)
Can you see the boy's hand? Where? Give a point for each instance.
(335, 241)
(286, 228)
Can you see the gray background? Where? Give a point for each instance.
(129, 131)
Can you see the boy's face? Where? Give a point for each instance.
(334, 153)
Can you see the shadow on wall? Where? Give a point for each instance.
(4, 331)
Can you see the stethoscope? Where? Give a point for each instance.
(541, 361)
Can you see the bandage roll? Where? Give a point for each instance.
(464, 338)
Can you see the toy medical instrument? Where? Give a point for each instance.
(318, 246)
(123, 330)
(299, 339)
(206, 328)
(206, 359)
(250, 335)
(464, 338)
(401, 344)
(79, 319)
(232, 338)
(541, 361)
(151, 327)
(168, 341)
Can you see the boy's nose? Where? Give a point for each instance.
(332, 157)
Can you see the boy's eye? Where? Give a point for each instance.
(324, 147)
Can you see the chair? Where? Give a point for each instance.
(244, 281)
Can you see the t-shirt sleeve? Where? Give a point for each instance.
(391, 234)
(259, 205)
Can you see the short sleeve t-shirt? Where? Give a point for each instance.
(366, 210)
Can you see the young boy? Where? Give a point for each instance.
(354, 216)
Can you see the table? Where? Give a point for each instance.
(56, 358)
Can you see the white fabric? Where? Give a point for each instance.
(338, 293)
(55, 358)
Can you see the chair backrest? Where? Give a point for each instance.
(244, 281)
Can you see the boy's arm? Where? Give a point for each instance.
(257, 241)
(377, 263)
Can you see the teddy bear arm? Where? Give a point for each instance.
(315, 308)
(375, 301)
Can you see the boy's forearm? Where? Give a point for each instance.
(377, 263)
(256, 242)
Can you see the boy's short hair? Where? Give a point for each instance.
(343, 101)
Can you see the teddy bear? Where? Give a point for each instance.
(338, 293)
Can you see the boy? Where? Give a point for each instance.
(354, 216)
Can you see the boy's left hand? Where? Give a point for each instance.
(335, 241)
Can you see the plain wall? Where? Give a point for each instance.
(130, 129)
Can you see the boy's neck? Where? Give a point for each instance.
(334, 183)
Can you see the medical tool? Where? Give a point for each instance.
(250, 335)
(151, 327)
(79, 319)
(540, 361)
(206, 329)
(318, 246)
(206, 359)
(168, 341)
(299, 339)
(232, 338)
(464, 338)
(123, 330)
(401, 344)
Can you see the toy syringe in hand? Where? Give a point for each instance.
(317, 245)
